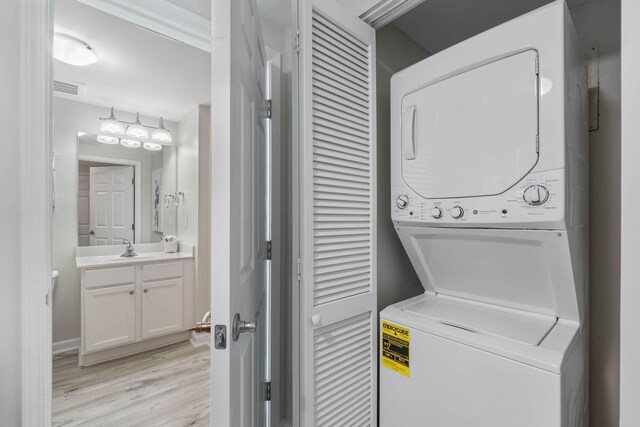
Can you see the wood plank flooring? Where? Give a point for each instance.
(163, 387)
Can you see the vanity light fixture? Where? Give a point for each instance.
(152, 146)
(137, 130)
(161, 134)
(106, 139)
(112, 128)
(130, 143)
(73, 51)
(111, 125)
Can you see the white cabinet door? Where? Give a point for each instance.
(161, 307)
(109, 317)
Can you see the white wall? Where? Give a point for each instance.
(598, 21)
(397, 279)
(71, 117)
(630, 265)
(194, 213)
(10, 75)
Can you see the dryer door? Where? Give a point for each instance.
(472, 134)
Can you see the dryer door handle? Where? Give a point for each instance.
(409, 133)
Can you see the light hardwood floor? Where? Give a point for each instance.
(163, 387)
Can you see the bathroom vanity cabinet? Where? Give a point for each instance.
(134, 305)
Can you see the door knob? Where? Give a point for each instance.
(240, 326)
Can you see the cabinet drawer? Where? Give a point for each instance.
(109, 276)
(167, 270)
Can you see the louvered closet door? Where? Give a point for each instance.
(338, 325)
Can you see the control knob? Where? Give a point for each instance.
(436, 213)
(457, 212)
(402, 201)
(535, 195)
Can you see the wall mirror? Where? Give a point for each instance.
(125, 192)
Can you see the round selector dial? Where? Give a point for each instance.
(436, 213)
(457, 212)
(402, 201)
(535, 195)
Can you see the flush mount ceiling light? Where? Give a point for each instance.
(161, 134)
(137, 130)
(130, 143)
(152, 146)
(111, 125)
(106, 139)
(73, 51)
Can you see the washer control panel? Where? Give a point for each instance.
(538, 198)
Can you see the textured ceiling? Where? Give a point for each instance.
(138, 70)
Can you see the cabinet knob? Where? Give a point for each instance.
(132, 292)
(146, 290)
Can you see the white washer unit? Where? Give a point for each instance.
(489, 198)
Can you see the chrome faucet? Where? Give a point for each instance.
(129, 251)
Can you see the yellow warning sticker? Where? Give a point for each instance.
(395, 347)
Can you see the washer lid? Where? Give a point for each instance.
(528, 270)
(521, 327)
(474, 133)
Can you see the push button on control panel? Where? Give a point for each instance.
(457, 212)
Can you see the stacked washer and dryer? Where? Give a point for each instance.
(489, 193)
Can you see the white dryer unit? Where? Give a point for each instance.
(489, 198)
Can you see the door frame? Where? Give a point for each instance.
(137, 189)
(36, 205)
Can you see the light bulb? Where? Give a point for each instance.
(106, 139)
(152, 146)
(137, 130)
(112, 126)
(161, 134)
(130, 143)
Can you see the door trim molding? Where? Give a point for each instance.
(36, 207)
(137, 199)
(160, 16)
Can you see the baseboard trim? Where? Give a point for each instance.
(65, 346)
(100, 356)
(200, 339)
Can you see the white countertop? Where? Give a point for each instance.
(85, 262)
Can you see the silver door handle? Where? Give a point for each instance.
(240, 326)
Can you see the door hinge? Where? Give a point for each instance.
(267, 391)
(299, 270)
(268, 109)
(298, 42)
(268, 246)
(133, 227)
(133, 181)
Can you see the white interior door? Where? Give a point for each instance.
(111, 205)
(338, 315)
(238, 255)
